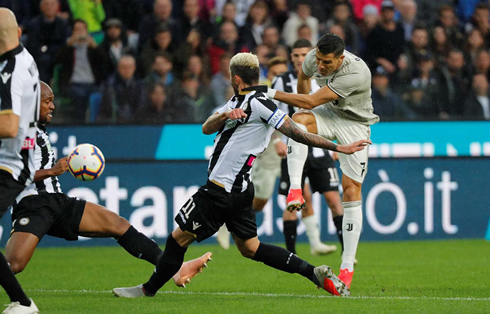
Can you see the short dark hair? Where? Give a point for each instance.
(275, 61)
(75, 21)
(164, 55)
(331, 43)
(302, 43)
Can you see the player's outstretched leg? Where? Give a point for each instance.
(191, 268)
(297, 154)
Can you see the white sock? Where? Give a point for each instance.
(312, 230)
(297, 154)
(351, 230)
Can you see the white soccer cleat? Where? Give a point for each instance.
(16, 308)
(330, 282)
(130, 292)
(223, 237)
(323, 249)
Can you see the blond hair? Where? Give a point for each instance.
(245, 65)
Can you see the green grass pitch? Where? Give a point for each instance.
(391, 277)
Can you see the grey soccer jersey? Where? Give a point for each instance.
(43, 159)
(238, 143)
(351, 82)
(19, 95)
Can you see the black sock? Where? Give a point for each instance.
(10, 283)
(289, 227)
(281, 259)
(337, 221)
(167, 266)
(140, 246)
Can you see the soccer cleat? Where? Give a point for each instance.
(131, 292)
(323, 249)
(190, 269)
(346, 276)
(295, 200)
(330, 282)
(16, 308)
(223, 237)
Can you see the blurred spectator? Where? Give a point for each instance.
(263, 54)
(448, 21)
(161, 70)
(387, 105)
(304, 32)
(482, 63)
(301, 16)
(282, 51)
(192, 21)
(114, 45)
(408, 16)
(271, 38)
(386, 42)
(473, 43)
(92, 12)
(194, 45)
(359, 5)
(439, 45)
(257, 21)
(420, 103)
(276, 66)
(195, 66)
(81, 71)
(129, 12)
(227, 41)
(418, 44)
(242, 9)
(279, 13)
(46, 34)
(342, 16)
(368, 23)
(477, 105)
(162, 41)
(466, 8)
(337, 30)
(427, 8)
(26, 10)
(121, 93)
(221, 81)
(228, 13)
(162, 11)
(155, 109)
(480, 21)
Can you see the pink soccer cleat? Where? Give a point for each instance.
(330, 282)
(346, 276)
(295, 200)
(190, 269)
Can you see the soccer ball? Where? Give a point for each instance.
(86, 162)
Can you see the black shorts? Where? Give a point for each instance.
(320, 171)
(55, 214)
(211, 206)
(9, 189)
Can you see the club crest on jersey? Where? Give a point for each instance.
(24, 221)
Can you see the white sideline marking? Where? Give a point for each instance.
(256, 294)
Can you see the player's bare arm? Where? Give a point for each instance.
(216, 121)
(60, 168)
(9, 124)
(304, 83)
(290, 129)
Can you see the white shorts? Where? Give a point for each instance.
(264, 179)
(344, 131)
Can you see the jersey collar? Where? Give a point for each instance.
(11, 53)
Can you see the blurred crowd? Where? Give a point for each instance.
(166, 61)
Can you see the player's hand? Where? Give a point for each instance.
(60, 167)
(262, 89)
(236, 114)
(281, 149)
(335, 156)
(353, 147)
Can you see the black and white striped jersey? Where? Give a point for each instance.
(19, 95)
(239, 142)
(44, 158)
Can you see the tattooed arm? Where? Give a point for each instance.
(291, 130)
(217, 120)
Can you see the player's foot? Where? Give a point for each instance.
(223, 237)
(16, 308)
(295, 200)
(323, 249)
(131, 292)
(190, 269)
(346, 276)
(330, 282)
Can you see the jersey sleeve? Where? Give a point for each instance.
(268, 111)
(11, 89)
(309, 64)
(346, 84)
(222, 109)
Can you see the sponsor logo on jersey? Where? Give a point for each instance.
(29, 143)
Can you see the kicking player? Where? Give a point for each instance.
(244, 127)
(340, 110)
(19, 111)
(319, 169)
(42, 209)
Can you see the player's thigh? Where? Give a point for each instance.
(9, 190)
(325, 121)
(35, 215)
(19, 250)
(306, 118)
(240, 216)
(97, 221)
(264, 180)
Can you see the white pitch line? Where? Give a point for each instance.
(256, 294)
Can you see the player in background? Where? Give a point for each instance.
(19, 111)
(267, 166)
(340, 110)
(319, 169)
(42, 209)
(244, 125)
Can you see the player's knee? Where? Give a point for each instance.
(246, 251)
(17, 265)
(119, 226)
